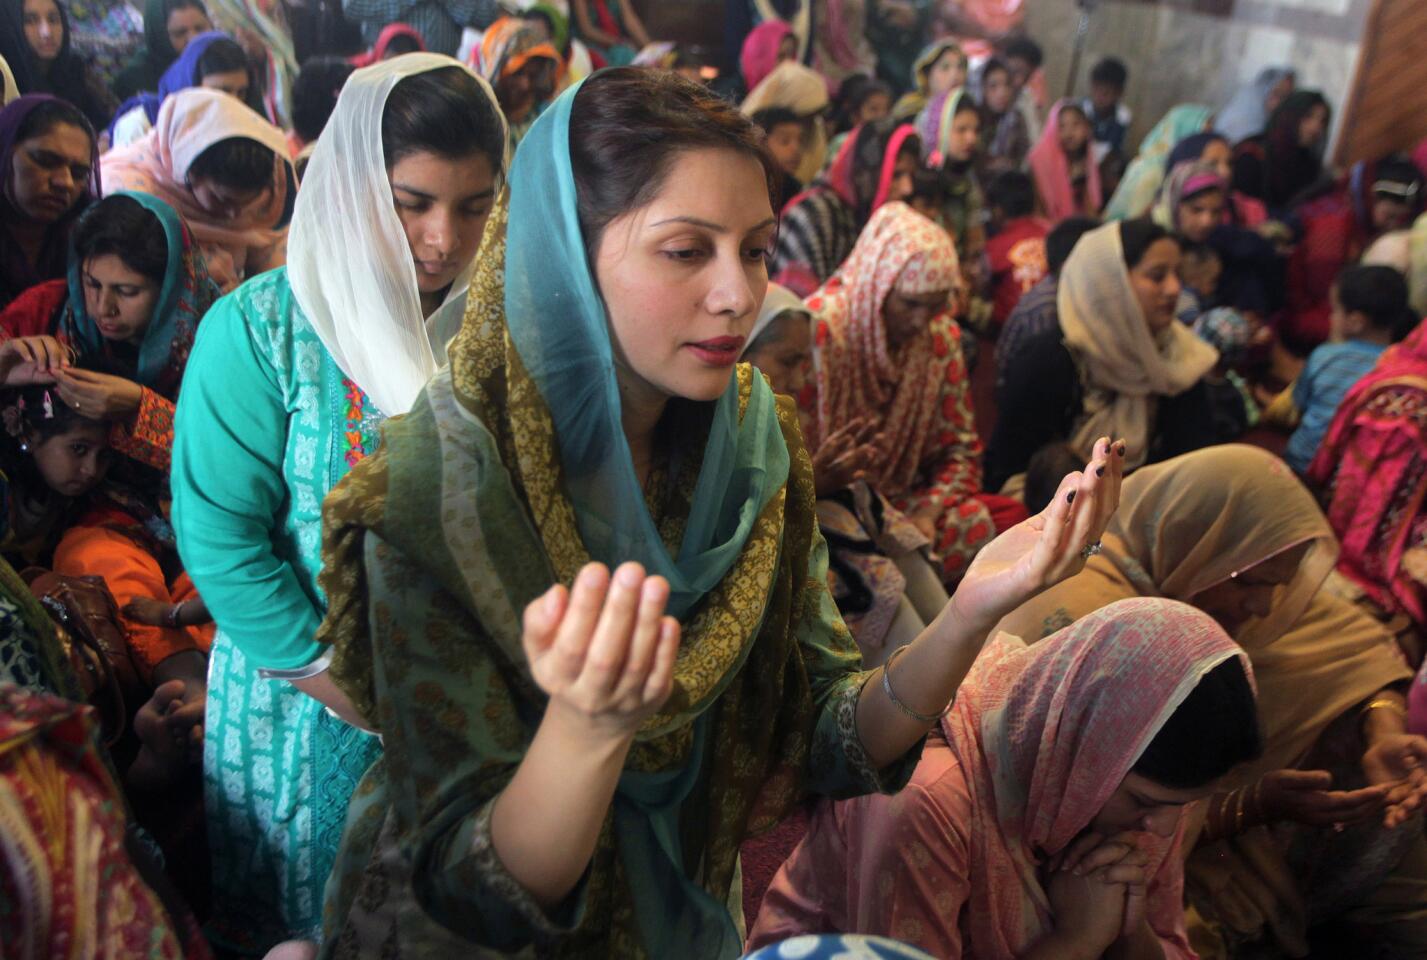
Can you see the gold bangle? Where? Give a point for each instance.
(1239, 811)
(1383, 703)
(1257, 799)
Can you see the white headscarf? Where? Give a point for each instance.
(12, 90)
(348, 260)
(776, 302)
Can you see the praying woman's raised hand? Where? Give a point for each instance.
(1038, 553)
(604, 651)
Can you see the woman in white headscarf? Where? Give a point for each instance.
(288, 383)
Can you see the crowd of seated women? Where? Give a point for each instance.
(502, 507)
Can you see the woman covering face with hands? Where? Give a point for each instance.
(569, 717)
(1045, 818)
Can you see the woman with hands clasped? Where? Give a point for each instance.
(573, 756)
(1326, 824)
(1046, 816)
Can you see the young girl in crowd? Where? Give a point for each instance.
(1286, 158)
(136, 291)
(887, 350)
(1369, 314)
(769, 44)
(940, 68)
(1046, 817)
(522, 67)
(948, 129)
(225, 170)
(169, 26)
(1117, 361)
(212, 60)
(634, 853)
(289, 382)
(1005, 138)
(35, 41)
(1322, 825)
(820, 226)
(50, 168)
(1067, 176)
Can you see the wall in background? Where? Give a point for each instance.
(1177, 55)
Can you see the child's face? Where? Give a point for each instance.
(1201, 274)
(1389, 213)
(1104, 97)
(965, 134)
(785, 142)
(947, 73)
(1021, 71)
(997, 91)
(874, 108)
(73, 462)
(1200, 214)
(1074, 132)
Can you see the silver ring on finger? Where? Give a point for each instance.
(1090, 550)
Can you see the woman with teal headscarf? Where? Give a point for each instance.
(135, 291)
(572, 757)
(1140, 186)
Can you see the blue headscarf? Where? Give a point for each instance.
(1246, 113)
(184, 297)
(559, 326)
(180, 75)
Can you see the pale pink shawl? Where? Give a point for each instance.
(857, 374)
(1039, 739)
(190, 122)
(1052, 173)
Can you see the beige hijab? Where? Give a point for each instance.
(794, 87)
(1123, 364)
(1191, 522)
(12, 90)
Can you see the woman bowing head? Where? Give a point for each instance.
(576, 754)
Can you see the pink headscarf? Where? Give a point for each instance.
(1052, 170)
(760, 50)
(1044, 734)
(857, 373)
(839, 175)
(189, 123)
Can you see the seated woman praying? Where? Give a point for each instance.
(1046, 817)
(887, 351)
(1322, 826)
(883, 580)
(225, 170)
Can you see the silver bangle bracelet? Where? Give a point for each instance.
(887, 687)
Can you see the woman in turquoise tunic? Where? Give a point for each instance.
(573, 756)
(288, 382)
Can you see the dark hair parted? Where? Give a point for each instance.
(314, 94)
(120, 226)
(1214, 730)
(1110, 72)
(444, 112)
(1380, 294)
(628, 125)
(51, 114)
(1137, 236)
(1063, 237)
(237, 163)
(222, 56)
(1013, 193)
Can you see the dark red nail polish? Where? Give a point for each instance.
(1099, 471)
(1120, 449)
(1070, 497)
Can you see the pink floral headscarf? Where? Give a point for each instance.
(858, 374)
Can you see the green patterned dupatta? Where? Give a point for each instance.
(434, 546)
